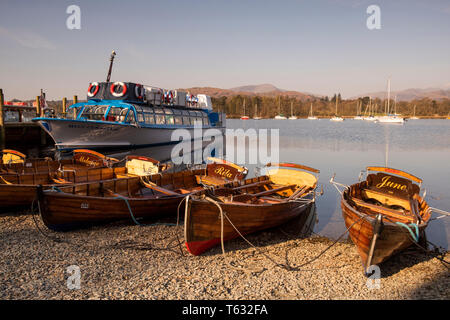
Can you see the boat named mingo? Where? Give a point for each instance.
(122, 115)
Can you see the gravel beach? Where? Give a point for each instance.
(124, 261)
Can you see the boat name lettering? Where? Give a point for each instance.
(385, 182)
(224, 172)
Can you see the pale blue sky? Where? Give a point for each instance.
(319, 46)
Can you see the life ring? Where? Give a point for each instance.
(139, 91)
(96, 88)
(118, 94)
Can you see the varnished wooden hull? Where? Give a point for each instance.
(392, 239)
(203, 222)
(21, 191)
(62, 212)
(86, 204)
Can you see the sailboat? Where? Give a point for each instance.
(336, 117)
(390, 118)
(256, 117)
(370, 117)
(244, 117)
(358, 111)
(311, 117)
(292, 117)
(279, 116)
(414, 115)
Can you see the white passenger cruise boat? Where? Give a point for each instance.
(125, 115)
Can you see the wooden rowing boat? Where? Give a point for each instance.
(287, 191)
(385, 214)
(17, 191)
(14, 162)
(132, 198)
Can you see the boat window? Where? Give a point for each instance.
(160, 119)
(72, 113)
(192, 113)
(94, 112)
(206, 121)
(168, 111)
(11, 116)
(116, 114)
(186, 121)
(195, 120)
(169, 119)
(130, 117)
(176, 111)
(140, 117)
(178, 120)
(185, 112)
(159, 110)
(149, 118)
(199, 113)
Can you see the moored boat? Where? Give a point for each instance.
(284, 193)
(384, 214)
(126, 115)
(134, 198)
(18, 190)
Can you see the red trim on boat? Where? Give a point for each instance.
(198, 247)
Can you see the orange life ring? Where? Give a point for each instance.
(139, 91)
(118, 94)
(93, 85)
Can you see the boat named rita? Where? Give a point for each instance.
(124, 115)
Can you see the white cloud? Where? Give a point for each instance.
(27, 39)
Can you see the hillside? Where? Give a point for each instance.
(412, 94)
(266, 90)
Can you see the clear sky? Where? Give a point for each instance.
(321, 46)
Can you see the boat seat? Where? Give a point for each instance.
(385, 199)
(288, 176)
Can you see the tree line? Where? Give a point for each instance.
(269, 106)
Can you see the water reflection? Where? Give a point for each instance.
(421, 147)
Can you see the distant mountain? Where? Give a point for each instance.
(412, 94)
(250, 90)
(258, 89)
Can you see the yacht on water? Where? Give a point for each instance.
(310, 116)
(244, 117)
(388, 117)
(358, 111)
(292, 117)
(125, 115)
(279, 116)
(256, 117)
(336, 117)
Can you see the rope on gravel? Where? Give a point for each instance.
(283, 266)
(122, 244)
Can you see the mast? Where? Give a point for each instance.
(291, 109)
(389, 95)
(244, 106)
(336, 104)
(310, 111)
(111, 59)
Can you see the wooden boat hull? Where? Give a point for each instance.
(21, 190)
(85, 204)
(61, 212)
(392, 239)
(203, 221)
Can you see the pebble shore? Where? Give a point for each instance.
(124, 261)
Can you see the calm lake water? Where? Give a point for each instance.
(420, 147)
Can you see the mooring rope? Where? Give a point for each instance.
(283, 266)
